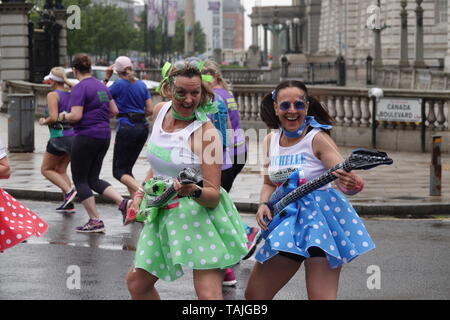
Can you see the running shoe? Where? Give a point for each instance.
(70, 208)
(254, 238)
(229, 279)
(68, 198)
(92, 226)
(123, 207)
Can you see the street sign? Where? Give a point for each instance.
(399, 110)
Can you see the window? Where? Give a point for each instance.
(441, 11)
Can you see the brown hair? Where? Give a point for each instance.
(315, 109)
(128, 74)
(82, 62)
(188, 72)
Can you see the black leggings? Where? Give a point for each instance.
(127, 147)
(86, 164)
(314, 252)
(228, 175)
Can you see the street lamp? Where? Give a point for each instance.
(288, 38)
(296, 23)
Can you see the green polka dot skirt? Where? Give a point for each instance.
(192, 236)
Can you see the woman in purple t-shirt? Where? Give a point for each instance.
(91, 108)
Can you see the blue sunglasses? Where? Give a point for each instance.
(298, 105)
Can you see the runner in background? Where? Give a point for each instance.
(134, 103)
(57, 155)
(91, 108)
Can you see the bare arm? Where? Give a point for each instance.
(210, 151)
(148, 107)
(75, 114)
(267, 188)
(5, 169)
(52, 102)
(325, 150)
(113, 110)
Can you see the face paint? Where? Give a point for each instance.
(177, 96)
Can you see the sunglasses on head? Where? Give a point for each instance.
(298, 105)
(189, 64)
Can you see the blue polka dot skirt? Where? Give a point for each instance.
(323, 219)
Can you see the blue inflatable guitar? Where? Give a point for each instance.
(290, 191)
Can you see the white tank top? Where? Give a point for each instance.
(284, 160)
(170, 152)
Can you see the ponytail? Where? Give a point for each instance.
(128, 74)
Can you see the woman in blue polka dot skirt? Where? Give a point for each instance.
(200, 229)
(325, 232)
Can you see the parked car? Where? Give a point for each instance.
(99, 72)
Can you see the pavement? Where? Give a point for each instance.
(401, 189)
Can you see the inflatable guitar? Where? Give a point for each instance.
(289, 191)
(158, 192)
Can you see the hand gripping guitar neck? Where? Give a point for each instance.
(286, 194)
(158, 192)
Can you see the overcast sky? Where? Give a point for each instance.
(248, 4)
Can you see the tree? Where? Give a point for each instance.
(105, 30)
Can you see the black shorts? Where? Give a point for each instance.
(60, 146)
(315, 252)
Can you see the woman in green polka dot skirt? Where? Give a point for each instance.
(200, 229)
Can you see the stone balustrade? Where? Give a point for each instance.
(351, 108)
(410, 78)
(234, 75)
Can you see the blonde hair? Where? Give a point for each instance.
(169, 81)
(213, 67)
(59, 72)
(128, 74)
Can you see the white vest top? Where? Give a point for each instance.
(284, 160)
(170, 152)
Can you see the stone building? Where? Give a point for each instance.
(343, 28)
(328, 28)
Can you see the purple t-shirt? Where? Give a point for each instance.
(63, 105)
(94, 97)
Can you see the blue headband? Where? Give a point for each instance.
(309, 120)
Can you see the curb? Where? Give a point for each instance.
(403, 209)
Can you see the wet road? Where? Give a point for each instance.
(411, 261)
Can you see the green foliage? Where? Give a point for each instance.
(175, 44)
(105, 30)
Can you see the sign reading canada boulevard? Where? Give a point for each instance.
(399, 109)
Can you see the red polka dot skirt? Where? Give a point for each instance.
(17, 222)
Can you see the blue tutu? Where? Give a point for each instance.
(323, 219)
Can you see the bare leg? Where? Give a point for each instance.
(91, 209)
(270, 277)
(62, 170)
(49, 166)
(141, 285)
(208, 284)
(321, 281)
(130, 183)
(112, 194)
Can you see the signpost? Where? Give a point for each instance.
(399, 109)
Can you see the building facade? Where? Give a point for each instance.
(344, 29)
(233, 25)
